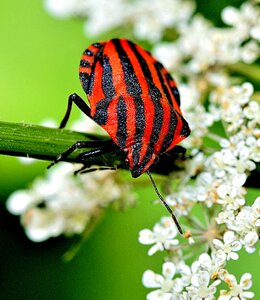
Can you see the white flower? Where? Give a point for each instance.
(250, 240)
(63, 203)
(252, 111)
(199, 120)
(246, 224)
(201, 287)
(164, 282)
(250, 52)
(226, 250)
(230, 195)
(206, 186)
(42, 224)
(183, 200)
(162, 236)
(225, 216)
(148, 18)
(206, 263)
(19, 201)
(185, 272)
(231, 101)
(168, 54)
(245, 19)
(237, 290)
(84, 124)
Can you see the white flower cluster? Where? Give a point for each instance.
(66, 204)
(221, 167)
(199, 281)
(192, 53)
(148, 18)
(219, 186)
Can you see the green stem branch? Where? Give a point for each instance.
(18, 139)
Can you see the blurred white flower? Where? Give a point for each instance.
(63, 203)
(87, 125)
(245, 19)
(42, 224)
(169, 55)
(148, 18)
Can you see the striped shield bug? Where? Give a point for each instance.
(135, 99)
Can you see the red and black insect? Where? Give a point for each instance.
(135, 99)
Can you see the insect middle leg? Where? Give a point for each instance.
(87, 169)
(101, 147)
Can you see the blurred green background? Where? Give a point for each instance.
(39, 58)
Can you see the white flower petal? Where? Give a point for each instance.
(19, 202)
(236, 246)
(251, 238)
(146, 237)
(248, 295)
(154, 249)
(233, 256)
(205, 260)
(200, 279)
(169, 270)
(42, 224)
(228, 237)
(246, 281)
(159, 295)
(151, 279)
(218, 244)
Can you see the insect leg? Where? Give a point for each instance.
(83, 157)
(104, 147)
(81, 104)
(107, 147)
(86, 169)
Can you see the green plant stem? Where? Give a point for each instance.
(18, 139)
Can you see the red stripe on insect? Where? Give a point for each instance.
(171, 84)
(119, 86)
(177, 138)
(97, 87)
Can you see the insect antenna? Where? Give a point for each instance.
(164, 203)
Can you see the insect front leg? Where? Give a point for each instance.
(81, 104)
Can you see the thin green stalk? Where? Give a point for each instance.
(18, 139)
